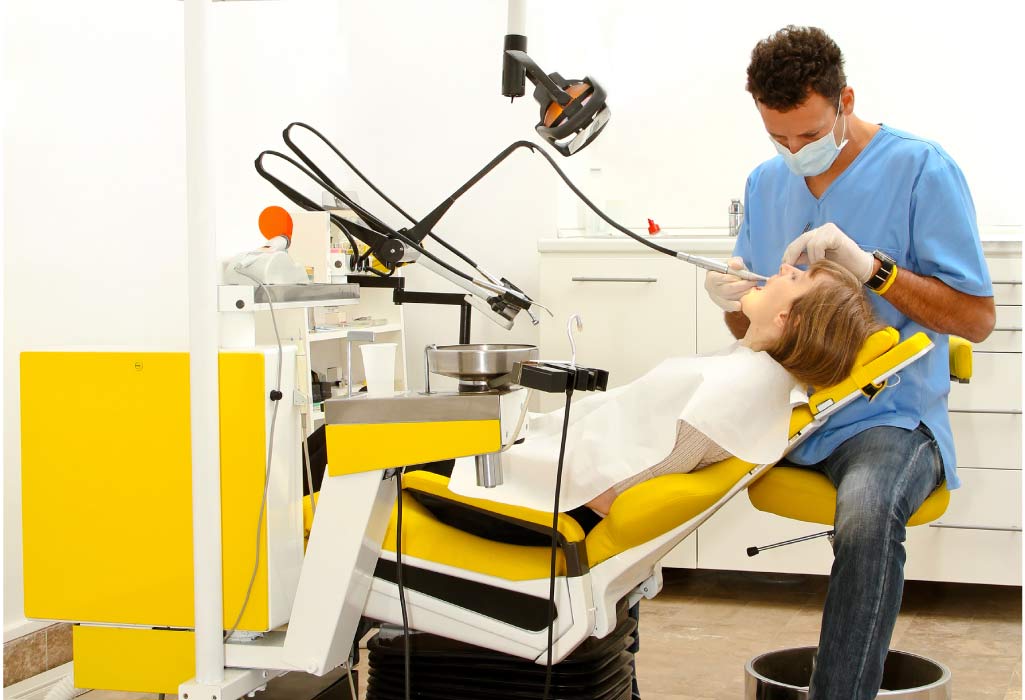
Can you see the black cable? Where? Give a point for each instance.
(288, 139)
(398, 581)
(309, 205)
(306, 159)
(555, 534)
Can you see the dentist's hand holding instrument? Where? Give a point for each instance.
(726, 282)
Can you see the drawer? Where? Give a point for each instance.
(978, 539)
(995, 384)
(1006, 335)
(1008, 318)
(1004, 269)
(987, 440)
(1000, 341)
(1007, 293)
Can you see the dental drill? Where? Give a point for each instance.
(716, 266)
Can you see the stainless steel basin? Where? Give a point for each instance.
(477, 362)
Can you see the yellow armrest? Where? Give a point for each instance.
(960, 360)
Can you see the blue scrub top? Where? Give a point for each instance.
(902, 195)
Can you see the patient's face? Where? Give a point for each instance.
(767, 306)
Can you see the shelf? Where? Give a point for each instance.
(343, 333)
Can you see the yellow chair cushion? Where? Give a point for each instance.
(654, 507)
(425, 537)
(801, 494)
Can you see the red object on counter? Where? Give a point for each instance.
(653, 228)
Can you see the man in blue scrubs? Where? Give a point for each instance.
(895, 210)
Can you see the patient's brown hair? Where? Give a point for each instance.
(826, 327)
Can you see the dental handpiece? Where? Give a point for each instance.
(716, 266)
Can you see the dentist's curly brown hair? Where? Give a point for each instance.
(826, 327)
(788, 66)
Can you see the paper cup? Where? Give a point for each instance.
(379, 368)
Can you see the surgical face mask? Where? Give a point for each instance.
(816, 157)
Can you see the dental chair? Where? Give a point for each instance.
(489, 601)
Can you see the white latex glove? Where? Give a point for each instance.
(830, 243)
(726, 290)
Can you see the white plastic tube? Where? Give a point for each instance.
(203, 352)
(517, 17)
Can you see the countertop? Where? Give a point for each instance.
(995, 241)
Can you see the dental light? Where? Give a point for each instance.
(573, 112)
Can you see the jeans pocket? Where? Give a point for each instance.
(935, 447)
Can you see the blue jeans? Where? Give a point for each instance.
(882, 476)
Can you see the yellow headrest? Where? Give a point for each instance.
(883, 352)
(877, 343)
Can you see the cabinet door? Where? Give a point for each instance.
(712, 333)
(636, 311)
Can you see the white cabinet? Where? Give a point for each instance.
(639, 308)
(978, 539)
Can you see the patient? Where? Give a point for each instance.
(812, 323)
(806, 329)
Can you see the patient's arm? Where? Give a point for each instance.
(693, 449)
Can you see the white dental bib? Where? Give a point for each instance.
(739, 398)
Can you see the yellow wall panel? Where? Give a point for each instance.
(243, 462)
(135, 660)
(107, 487)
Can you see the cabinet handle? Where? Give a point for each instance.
(1017, 282)
(646, 280)
(956, 526)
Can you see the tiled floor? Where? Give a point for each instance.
(698, 633)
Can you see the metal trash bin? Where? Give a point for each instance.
(785, 674)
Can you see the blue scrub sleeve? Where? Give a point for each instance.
(742, 248)
(944, 233)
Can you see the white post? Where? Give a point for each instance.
(203, 354)
(517, 23)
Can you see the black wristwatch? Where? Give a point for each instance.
(879, 279)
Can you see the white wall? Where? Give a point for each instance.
(94, 197)
(684, 133)
(423, 113)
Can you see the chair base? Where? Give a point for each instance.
(443, 669)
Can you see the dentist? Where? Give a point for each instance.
(895, 210)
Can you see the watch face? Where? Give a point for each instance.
(880, 255)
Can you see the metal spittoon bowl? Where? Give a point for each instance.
(476, 364)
